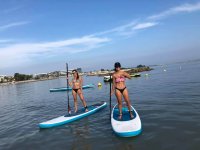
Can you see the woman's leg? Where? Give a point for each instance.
(82, 99)
(75, 101)
(119, 100)
(127, 100)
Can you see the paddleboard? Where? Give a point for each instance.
(126, 126)
(74, 116)
(66, 89)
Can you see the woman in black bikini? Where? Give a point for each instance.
(76, 85)
(120, 89)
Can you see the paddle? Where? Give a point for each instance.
(69, 109)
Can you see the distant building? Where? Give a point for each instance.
(79, 70)
(62, 73)
(2, 78)
(40, 75)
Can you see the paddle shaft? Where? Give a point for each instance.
(110, 93)
(69, 110)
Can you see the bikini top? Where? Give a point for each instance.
(120, 79)
(76, 81)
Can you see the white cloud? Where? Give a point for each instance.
(18, 54)
(14, 24)
(178, 9)
(187, 8)
(144, 25)
(119, 29)
(127, 30)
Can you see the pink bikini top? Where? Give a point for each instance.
(120, 79)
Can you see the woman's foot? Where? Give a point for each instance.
(75, 111)
(86, 110)
(131, 114)
(120, 116)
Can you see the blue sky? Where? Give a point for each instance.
(42, 35)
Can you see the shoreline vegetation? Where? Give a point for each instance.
(22, 78)
(128, 70)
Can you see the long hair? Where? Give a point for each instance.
(77, 73)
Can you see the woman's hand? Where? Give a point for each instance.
(112, 92)
(70, 84)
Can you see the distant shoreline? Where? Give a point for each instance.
(26, 81)
(129, 70)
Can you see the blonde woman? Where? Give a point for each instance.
(76, 85)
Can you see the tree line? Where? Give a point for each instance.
(22, 77)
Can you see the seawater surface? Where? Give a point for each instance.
(168, 103)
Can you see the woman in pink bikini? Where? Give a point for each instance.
(120, 88)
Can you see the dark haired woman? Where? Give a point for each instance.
(76, 85)
(120, 88)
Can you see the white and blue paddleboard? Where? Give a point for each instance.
(126, 126)
(72, 117)
(69, 88)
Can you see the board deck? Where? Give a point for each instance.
(126, 126)
(69, 88)
(72, 117)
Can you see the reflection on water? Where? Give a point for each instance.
(167, 102)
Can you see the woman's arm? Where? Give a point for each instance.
(81, 83)
(127, 75)
(113, 84)
(70, 82)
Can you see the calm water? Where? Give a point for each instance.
(168, 103)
